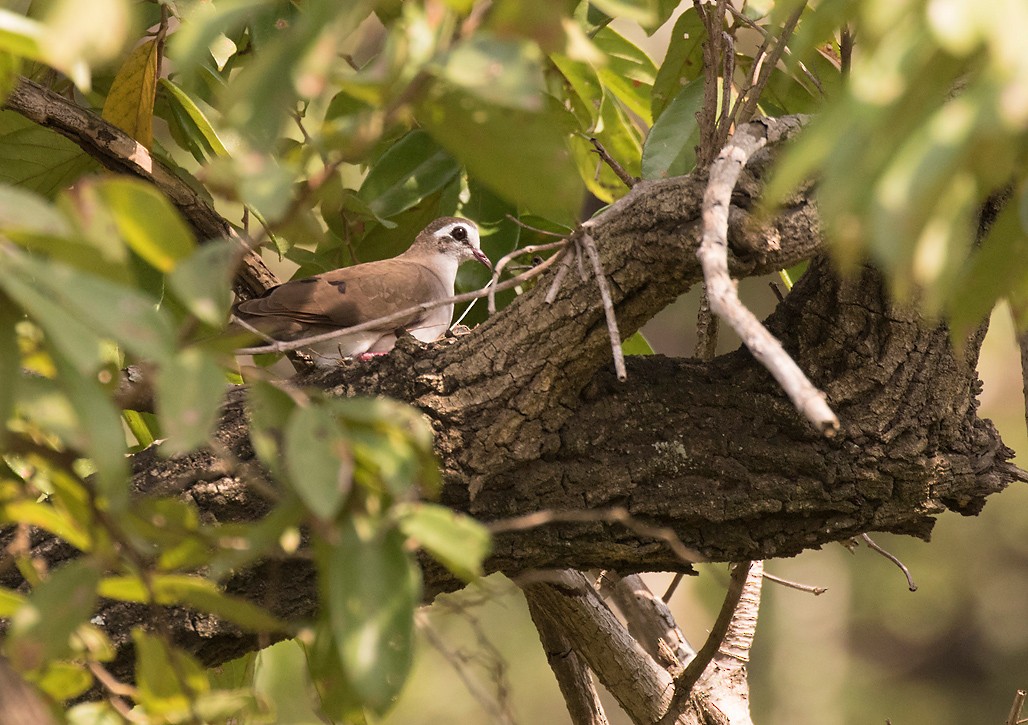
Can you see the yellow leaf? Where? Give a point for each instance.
(129, 105)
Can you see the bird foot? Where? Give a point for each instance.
(365, 356)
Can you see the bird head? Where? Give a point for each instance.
(454, 237)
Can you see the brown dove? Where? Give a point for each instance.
(353, 295)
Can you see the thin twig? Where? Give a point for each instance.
(673, 586)
(505, 259)
(626, 178)
(815, 590)
(722, 291)
(570, 254)
(285, 345)
(685, 682)
(846, 39)
(587, 243)
(767, 66)
(537, 230)
(891, 557)
(491, 704)
(615, 515)
(1014, 718)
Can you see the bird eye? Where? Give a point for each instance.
(459, 233)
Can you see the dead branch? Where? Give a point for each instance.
(724, 297)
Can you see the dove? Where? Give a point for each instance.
(354, 295)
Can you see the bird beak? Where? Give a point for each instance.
(480, 257)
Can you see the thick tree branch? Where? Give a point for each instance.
(529, 415)
(119, 152)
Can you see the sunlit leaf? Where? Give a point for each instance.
(181, 100)
(637, 345)
(41, 628)
(147, 221)
(167, 677)
(89, 300)
(499, 71)
(456, 541)
(129, 103)
(628, 73)
(63, 680)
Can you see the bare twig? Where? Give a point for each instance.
(767, 66)
(1014, 718)
(626, 178)
(724, 297)
(572, 673)
(494, 705)
(537, 230)
(891, 557)
(570, 254)
(684, 683)
(504, 260)
(616, 515)
(1020, 323)
(815, 590)
(587, 243)
(285, 345)
(673, 586)
(846, 39)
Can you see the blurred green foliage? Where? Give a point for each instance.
(342, 129)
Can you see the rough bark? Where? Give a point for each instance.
(529, 416)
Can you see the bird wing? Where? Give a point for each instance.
(347, 297)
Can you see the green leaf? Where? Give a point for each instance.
(91, 300)
(40, 630)
(180, 99)
(190, 387)
(998, 268)
(10, 601)
(36, 158)
(319, 460)
(10, 361)
(370, 588)
(100, 433)
(643, 12)
(456, 541)
(203, 281)
(629, 73)
(636, 345)
(536, 172)
(683, 62)
(48, 518)
(147, 221)
(670, 148)
(168, 678)
(63, 680)
(499, 71)
(409, 171)
(94, 713)
(269, 408)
